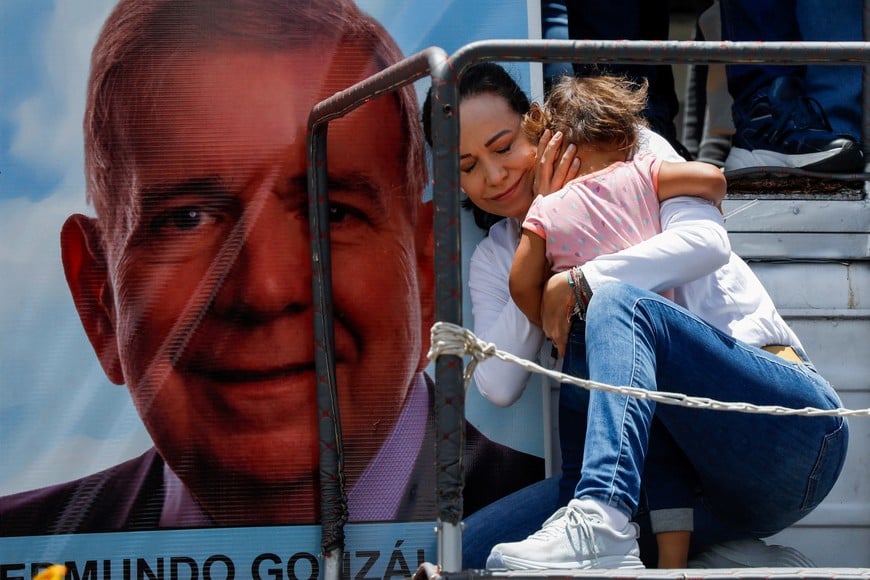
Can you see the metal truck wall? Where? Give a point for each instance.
(814, 257)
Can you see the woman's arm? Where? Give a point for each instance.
(693, 243)
(497, 318)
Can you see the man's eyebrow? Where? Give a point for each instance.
(193, 186)
(490, 141)
(355, 181)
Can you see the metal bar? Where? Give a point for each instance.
(449, 389)
(445, 158)
(660, 52)
(332, 479)
(445, 73)
(333, 499)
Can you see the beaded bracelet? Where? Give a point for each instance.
(582, 285)
(581, 290)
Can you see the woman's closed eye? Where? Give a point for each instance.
(469, 166)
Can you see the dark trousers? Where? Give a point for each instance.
(630, 20)
(758, 20)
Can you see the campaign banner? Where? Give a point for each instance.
(392, 550)
(157, 406)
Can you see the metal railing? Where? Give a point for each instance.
(445, 72)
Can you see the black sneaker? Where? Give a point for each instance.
(785, 128)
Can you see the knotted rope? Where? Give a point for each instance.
(451, 339)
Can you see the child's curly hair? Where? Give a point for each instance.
(591, 110)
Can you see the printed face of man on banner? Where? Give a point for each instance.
(193, 282)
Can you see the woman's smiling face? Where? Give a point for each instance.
(495, 158)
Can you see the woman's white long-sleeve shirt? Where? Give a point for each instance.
(692, 255)
(497, 318)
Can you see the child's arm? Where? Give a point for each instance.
(529, 271)
(691, 178)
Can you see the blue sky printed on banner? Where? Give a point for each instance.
(60, 418)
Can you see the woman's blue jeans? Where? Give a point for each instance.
(743, 474)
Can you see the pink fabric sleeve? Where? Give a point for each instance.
(650, 164)
(536, 219)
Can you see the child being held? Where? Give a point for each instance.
(613, 204)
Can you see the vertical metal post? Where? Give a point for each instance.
(449, 388)
(333, 499)
(865, 100)
(334, 510)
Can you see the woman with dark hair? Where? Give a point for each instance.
(720, 338)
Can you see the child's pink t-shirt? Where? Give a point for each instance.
(599, 213)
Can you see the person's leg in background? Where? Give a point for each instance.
(554, 26)
(752, 21)
(711, 120)
(837, 88)
(777, 121)
(631, 20)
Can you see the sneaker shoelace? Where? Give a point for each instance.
(577, 518)
(795, 118)
(807, 107)
(551, 528)
(559, 524)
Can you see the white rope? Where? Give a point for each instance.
(740, 209)
(451, 339)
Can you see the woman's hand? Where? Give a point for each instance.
(554, 166)
(557, 304)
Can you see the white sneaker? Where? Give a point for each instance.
(575, 537)
(750, 553)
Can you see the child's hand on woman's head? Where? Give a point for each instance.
(555, 165)
(556, 306)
